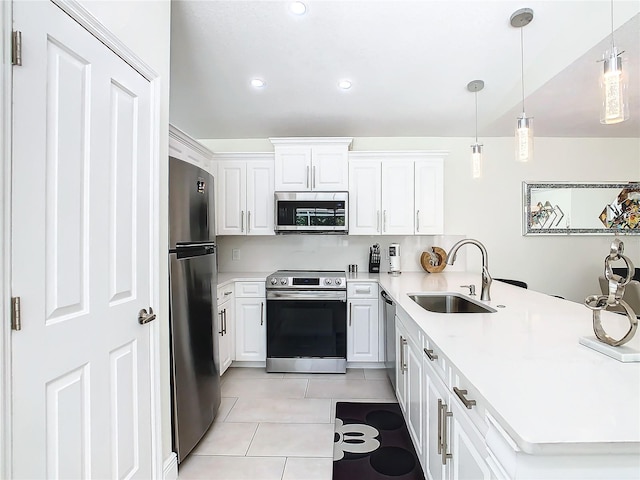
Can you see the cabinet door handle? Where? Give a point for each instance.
(462, 396)
(307, 182)
(417, 220)
(384, 221)
(429, 353)
(314, 177)
(378, 221)
(403, 364)
(261, 313)
(445, 414)
(439, 426)
(221, 332)
(242, 220)
(225, 321)
(248, 221)
(350, 312)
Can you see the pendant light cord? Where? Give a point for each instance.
(476, 93)
(522, 65)
(613, 46)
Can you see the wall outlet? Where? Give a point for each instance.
(235, 254)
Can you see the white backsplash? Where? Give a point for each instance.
(325, 252)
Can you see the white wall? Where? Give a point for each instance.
(145, 27)
(488, 209)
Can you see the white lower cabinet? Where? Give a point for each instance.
(362, 322)
(250, 325)
(225, 328)
(454, 449)
(436, 398)
(448, 444)
(468, 450)
(409, 385)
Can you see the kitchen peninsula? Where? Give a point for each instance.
(546, 406)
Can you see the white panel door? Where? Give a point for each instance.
(397, 197)
(260, 201)
(224, 327)
(362, 331)
(250, 329)
(292, 169)
(429, 183)
(468, 449)
(435, 395)
(365, 197)
(414, 399)
(81, 223)
(232, 193)
(329, 168)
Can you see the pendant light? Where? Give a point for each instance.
(524, 125)
(476, 149)
(613, 85)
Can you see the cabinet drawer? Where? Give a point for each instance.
(435, 358)
(224, 293)
(477, 411)
(249, 289)
(410, 326)
(362, 289)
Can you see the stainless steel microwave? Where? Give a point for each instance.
(312, 212)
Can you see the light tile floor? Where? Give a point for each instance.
(275, 426)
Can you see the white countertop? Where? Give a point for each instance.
(228, 277)
(549, 393)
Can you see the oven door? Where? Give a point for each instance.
(306, 331)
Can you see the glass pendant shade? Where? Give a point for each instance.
(613, 86)
(524, 138)
(524, 125)
(476, 160)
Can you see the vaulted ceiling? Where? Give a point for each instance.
(409, 63)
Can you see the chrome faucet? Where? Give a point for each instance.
(486, 278)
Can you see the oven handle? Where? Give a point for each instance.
(307, 295)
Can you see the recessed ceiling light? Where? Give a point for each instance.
(298, 8)
(257, 83)
(344, 84)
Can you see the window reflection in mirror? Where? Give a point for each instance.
(581, 208)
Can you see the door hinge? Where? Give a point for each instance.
(16, 322)
(16, 48)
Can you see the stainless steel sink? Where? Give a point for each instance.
(449, 303)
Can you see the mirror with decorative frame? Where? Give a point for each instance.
(561, 208)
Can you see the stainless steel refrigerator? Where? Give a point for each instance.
(195, 377)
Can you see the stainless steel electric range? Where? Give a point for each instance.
(307, 321)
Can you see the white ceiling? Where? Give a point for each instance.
(409, 61)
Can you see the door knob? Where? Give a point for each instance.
(144, 317)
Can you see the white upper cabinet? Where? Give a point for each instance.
(311, 164)
(245, 194)
(365, 197)
(429, 196)
(397, 197)
(396, 193)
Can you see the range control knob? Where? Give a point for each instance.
(328, 281)
(283, 281)
(274, 281)
(338, 281)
